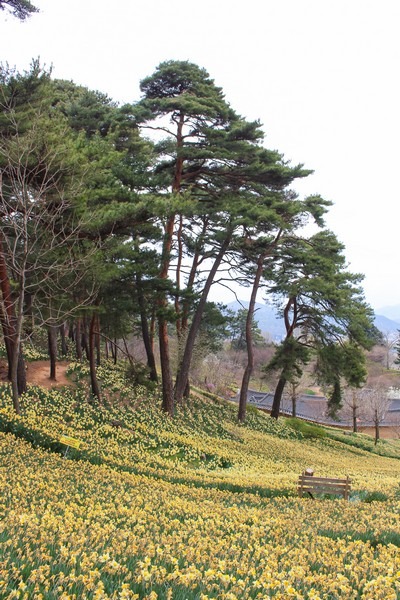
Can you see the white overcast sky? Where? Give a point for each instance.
(321, 75)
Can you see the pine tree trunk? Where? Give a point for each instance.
(115, 351)
(52, 349)
(78, 339)
(7, 313)
(21, 373)
(354, 419)
(12, 328)
(294, 406)
(276, 404)
(84, 339)
(92, 357)
(184, 367)
(151, 363)
(167, 387)
(97, 341)
(64, 345)
(249, 342)
(166, 377)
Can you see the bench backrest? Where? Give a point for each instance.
(324, 485)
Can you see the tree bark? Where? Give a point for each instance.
(249, 341)
(276, 404)
(183, 372)
(166, 376)
(84, 338)
(151, 363)
(354, 412)
(294, 405)
(92, 357)
(64, 345)
(97, 341)
(12, 328)
(114, 350)
(78, 339)
(376, 423)
(52, 349)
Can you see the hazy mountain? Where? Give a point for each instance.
(273, 326)
(386, 325)
(265, 315)
(391, 312)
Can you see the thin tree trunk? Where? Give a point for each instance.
(376, 423)
(178, 281)
(7, 312)
(21, 373)
(52, 349)
(84, 339)
(294, 405)
(78, 339)
(354, 413)
(92, 357)
(249, 341)
(166, 376)
(97, 341)
(151, 363)
(115, 351)
(183, 372)
(30, 321)
(64, 345)
(13, 328)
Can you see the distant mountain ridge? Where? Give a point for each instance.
(391, 312)
(273, 326)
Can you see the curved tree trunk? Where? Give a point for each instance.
(249, 341)
(276, 404)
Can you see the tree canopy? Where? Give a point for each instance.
(161, 200)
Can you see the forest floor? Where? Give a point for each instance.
(38, 373)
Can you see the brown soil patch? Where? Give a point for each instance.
(38, 374)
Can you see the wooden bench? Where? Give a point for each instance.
(309, 484)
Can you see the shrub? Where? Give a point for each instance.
(307, 430)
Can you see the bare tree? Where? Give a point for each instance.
(377, 405)
(353, 401)
(389, 339)
(39, 241)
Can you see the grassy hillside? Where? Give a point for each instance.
(194, 508)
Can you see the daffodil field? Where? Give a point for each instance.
(196, 507)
